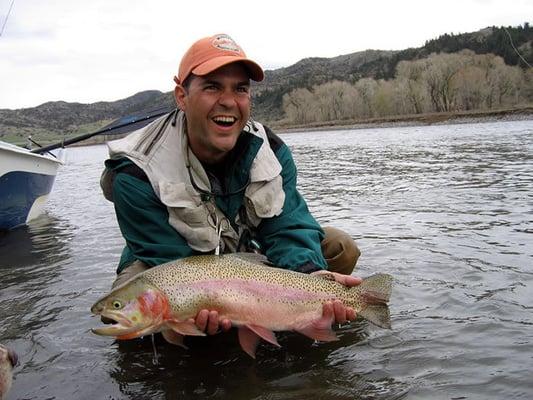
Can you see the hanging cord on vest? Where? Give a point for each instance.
(206, 195)
(247, 240)
(219, 224)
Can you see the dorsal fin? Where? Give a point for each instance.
(252, 257)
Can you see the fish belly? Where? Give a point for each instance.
(249, 302)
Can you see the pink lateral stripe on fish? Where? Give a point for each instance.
(256, 298)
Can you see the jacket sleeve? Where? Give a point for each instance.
(143, 221)
(292, 239)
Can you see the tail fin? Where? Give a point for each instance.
(375, 293)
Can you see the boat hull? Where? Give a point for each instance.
(26, 180)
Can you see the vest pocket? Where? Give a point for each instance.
(265, 199)
(188, 216)
(183, 203)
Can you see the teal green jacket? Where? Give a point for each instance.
(290, 240)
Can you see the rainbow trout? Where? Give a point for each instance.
(258, 299)
(8, 361)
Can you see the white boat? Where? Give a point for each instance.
(27, 177)
(26, 180)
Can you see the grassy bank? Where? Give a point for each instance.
(457, 117)
(517, 113)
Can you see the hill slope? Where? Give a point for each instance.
(54, 120)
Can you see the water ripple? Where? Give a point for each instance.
(447, 210)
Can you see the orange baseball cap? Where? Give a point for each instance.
(213, 52)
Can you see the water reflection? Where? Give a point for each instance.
(31, 262)
(221, 370)
(44, 240)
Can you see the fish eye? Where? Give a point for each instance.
(117, 304)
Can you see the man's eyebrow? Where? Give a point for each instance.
(218, 83)
(210, 82)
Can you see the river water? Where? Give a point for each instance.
(447, 210)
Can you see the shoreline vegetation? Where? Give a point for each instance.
(457, 117)
(435, 118)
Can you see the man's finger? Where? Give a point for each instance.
(350, 314)
(212, 323)
(327, 311)
(225, 325)
(348, 280)
(201, 320)
(340, 312)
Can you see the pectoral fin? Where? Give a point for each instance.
(184, 328)
(173, 337)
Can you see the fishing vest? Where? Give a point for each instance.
(161, 150)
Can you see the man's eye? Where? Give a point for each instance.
(211, 87)
(243, 89)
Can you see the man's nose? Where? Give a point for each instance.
(227, 98)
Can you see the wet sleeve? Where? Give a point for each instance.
(143, 221)
(292, 239)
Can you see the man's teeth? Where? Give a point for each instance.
(225, 120)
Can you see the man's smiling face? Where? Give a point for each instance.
(217, 107)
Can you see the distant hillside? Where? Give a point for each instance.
(54, 120)
(313, 71)
(382, 64)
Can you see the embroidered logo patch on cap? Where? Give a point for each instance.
(225, 42)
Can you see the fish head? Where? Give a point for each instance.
(8, 360)
(136, 309)
(8, 355)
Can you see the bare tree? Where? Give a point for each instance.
(366, 88)
(470, 88)
(440, 82)
(409, 74)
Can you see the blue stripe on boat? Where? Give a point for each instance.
(18, 191)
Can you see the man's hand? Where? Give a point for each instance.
(208, 322)
(336, 309)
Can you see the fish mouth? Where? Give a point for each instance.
(123, 328)
(122, 332)
(114, 330)
(13, 357)
(119, 325)
(8, 355)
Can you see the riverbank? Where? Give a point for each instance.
(514, 114)
(463, 117)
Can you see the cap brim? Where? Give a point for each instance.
(255, 71)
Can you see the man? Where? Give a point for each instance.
(208, 179)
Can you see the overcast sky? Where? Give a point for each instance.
(92, 50)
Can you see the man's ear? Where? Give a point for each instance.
(179, 95)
